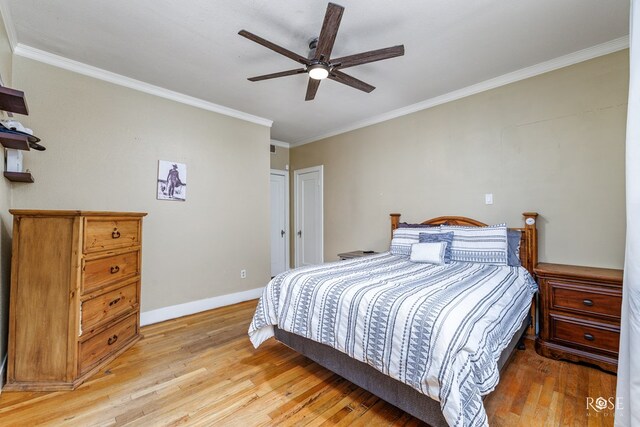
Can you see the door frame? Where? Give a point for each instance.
(296, 215)
(287, 210)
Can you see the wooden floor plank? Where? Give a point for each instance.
(202, 370)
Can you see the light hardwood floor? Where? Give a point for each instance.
(202, 370)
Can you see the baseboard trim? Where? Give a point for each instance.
(179, 310)
(3, 366)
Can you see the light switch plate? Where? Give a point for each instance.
(488, 199)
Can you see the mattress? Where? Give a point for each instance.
(438, 328)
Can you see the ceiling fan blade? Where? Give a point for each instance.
(346, 79)
(274, 47)
(366, 57)
(276, 75)
(328, 32)
(312, 88)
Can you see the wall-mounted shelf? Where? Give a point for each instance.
(16, 142)
(13, 100)
(19, 176)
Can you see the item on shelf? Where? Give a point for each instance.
(14, 127)
(14, 160)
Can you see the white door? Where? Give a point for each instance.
(308, 216)
(279, 221)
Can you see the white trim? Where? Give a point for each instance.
(287, 214)
(296, 216)
(280, 143)
(524, 73)
(8, 24)
(192, 307)
(118, 79)
(3, 366)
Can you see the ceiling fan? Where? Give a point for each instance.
(319, 65)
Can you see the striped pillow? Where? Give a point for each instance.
(403, 238)
(485, 245)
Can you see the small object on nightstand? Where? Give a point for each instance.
(355, 254)
(580, 314)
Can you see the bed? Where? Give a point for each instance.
(429, 339)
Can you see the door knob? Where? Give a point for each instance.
(281, 233)
(299, 233)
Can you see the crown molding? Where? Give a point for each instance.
(8, 24)
(118, 79)
(280, 143)
(524, 73)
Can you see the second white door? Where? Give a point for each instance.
(279, 221)
(308, 216)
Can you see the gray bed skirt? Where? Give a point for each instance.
(393, 391)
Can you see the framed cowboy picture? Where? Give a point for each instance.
(172, 181)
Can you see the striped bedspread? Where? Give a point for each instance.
(439, 329)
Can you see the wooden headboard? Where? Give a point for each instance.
(528, 243)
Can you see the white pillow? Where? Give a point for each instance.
(432, 253)
(403, 238)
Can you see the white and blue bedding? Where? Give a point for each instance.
(438, 328)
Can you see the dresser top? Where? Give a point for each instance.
(40, 212)
(609, 275)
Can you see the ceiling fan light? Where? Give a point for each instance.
(318, 71)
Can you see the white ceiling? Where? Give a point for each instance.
(192, 47)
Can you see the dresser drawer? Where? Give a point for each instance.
(108, 306)
(584, 333)
(585, 299)
(107, 342)
(101, 271)
(104, 233)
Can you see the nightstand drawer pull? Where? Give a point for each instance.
(589, 337)
(115, 301)
(587, 302)
(112, 340)
(114, 269)
(115, 234)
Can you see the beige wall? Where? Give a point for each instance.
(552, 144)
(103, 145)
(280, 159)
(5, 217)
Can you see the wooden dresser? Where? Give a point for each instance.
(75, 293)
(580, 314)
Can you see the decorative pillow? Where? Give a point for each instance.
(432, 253)
(439, 237)
(403, 238)
(513, 249)
(407, 225)
(486, 245)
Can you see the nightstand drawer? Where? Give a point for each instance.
(585, 299)
(584, 333)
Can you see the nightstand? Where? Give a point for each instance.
(580, 314)
(355, 254)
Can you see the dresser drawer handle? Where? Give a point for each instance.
(112, 340)
(115, 301)
(587, 302)
(114, 269)
(589, 337)
(115, 234)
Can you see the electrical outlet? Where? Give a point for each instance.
(243, 274)
(488, 199)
